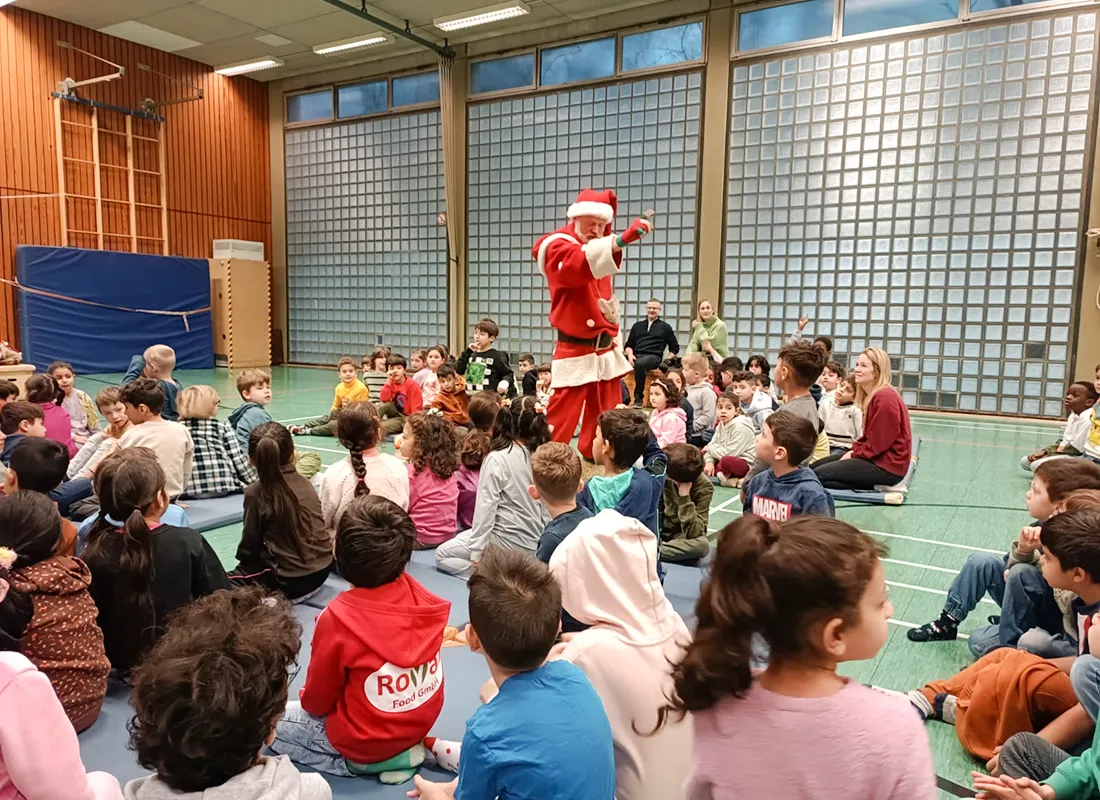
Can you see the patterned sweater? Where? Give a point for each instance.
(218, 467)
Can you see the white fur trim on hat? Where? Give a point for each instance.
(590, 208)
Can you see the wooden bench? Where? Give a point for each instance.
(17, 374)
(631, 384)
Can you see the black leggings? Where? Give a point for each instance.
(852, 473)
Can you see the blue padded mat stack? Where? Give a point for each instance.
(98, 335)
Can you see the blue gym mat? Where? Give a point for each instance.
(206, 515)
(894, 495)
(113, 305)
(103, 746)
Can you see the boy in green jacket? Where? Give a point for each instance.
(686, 505)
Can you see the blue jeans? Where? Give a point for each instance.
(70, 492)
(1025, 599)
(1046, 644)
(1085, 677)
(302, 737)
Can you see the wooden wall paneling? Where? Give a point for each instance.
(217, 179)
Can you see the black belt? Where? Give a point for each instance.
(601, 342)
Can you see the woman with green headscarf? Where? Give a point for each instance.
(708, 333)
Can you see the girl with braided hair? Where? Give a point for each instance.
(366, 470)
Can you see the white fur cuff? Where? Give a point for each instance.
(601, 257)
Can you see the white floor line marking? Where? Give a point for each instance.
(722, 506)
(322, 449)
(898, 536)
(1037, 427)
(928, 590)
(293, 419)
(919, 566)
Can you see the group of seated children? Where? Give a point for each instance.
(649, 710)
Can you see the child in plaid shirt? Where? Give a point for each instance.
(218, 467)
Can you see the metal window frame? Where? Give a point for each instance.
(619, 73)
(981, 21)
(336, 99)
(663, 67)
(309, 122)
(614, 37)
(964, 18)
(531, 51)
(414, 106)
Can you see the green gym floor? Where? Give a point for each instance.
(967, 496)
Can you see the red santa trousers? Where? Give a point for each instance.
(586, 382)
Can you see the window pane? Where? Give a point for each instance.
(360, 99)
(778, 25)
(309, 107)
(666, 46)
(996, 5)
(513, 72)
(583, 61)
(864, 16)
(413, 89)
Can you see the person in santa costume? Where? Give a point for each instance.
(578, 261)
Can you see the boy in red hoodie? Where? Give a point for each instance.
(374, 686)
(400, 397)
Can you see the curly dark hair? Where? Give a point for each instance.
(672, 394)
(358, 427)
(435, 444)
(207, 696)
(777, 580)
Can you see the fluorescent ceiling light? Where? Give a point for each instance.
(482, 16)
(249, 66)
(356, 43)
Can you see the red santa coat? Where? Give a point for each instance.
(579, 277)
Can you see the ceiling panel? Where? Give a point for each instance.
(229, 51)
(198, 23)
(268, 14)
(325, 28)
(96, 14)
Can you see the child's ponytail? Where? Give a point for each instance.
(271, 447)
(44, 388)
(359, 428)
(532, 428)
(120, 550)
(776, 581)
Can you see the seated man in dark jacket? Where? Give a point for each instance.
(645, 347)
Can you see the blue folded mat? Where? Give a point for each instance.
(205, 515)
(895, 496)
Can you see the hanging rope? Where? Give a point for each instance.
(82, 301)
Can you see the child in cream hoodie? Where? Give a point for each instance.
(608, 575)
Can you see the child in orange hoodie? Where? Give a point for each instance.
(452, 399)
(374, 687)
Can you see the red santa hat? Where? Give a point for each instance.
(592, 203)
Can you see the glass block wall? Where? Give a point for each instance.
(528, 159)
(924, 195)
(366, 261)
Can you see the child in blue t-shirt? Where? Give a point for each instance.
(513, 747)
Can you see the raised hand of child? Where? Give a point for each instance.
(803, 322)
(1029, 540)
(1006, 788)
